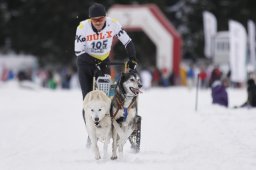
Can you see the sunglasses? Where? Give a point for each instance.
(97, 19)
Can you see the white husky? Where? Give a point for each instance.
(98, 121)
(123, 110)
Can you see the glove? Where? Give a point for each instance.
(98, 72)
(131, 64)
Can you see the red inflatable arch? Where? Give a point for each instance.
(157, 27)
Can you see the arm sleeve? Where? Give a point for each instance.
(80, 40)
(130, 49)
(120, 33)
(125, 39)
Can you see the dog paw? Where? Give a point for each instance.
(113, 157)
(97, 157)
(88, 143)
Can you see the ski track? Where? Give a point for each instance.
(43, 129)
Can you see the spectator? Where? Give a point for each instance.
(22, 75)
(219, 93)
(5, 71)
(203, 77)
(165, 77)
(51, 83)
(251, 93)
(191, 76)
(156, 76)
(172, 79)
(215, 75)
(183, 76)
(146, 78)
(251, 89)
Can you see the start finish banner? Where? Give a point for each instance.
(238, 40)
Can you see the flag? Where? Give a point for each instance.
(251, 39)
(210, 29)
(238, 40)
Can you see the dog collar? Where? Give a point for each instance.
(98, 126)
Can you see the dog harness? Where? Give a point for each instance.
(118, 102)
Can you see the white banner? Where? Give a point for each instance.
(251, 38)
(238, 40)
(210, 29)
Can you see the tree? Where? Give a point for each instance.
(47, 28)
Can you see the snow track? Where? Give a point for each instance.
(43, 129)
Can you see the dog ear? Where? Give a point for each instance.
(101, 95)
(86, 98)
(122, 77)
(108, 100)
(120, 82)
(98, 96)
(133, 71)
(108, 105)
(90, 97)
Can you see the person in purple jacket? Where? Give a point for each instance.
(219, 93)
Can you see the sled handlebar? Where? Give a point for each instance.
(114, 64)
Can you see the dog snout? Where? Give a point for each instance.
(140, 85)
(96, 119)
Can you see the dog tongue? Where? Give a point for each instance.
(137, 91)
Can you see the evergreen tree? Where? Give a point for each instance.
(47, 28)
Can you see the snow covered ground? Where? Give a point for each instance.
(43, 129)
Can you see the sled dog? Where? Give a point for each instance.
(123, 110)
(98, 121)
